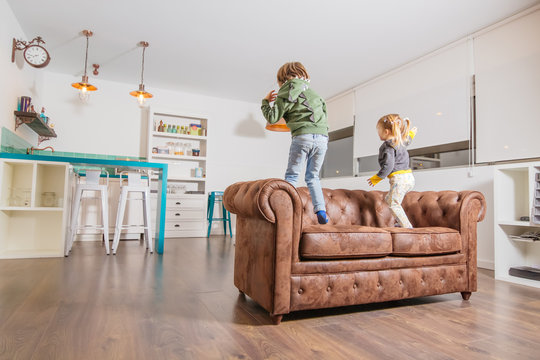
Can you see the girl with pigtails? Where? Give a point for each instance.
(396, 135)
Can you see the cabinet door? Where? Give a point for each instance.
(341, 112)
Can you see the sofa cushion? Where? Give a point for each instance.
(344, 242)
(424, 241)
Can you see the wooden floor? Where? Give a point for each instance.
(183, 305)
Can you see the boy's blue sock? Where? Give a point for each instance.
(322, 217)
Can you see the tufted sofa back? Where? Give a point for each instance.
(368, 208)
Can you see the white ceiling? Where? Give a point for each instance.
(232, 49)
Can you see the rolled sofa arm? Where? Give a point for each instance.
(252, 198)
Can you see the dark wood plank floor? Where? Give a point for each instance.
(183, 305)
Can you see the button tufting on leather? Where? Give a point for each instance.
(300, 291)
(354, 286)
(400, 282)
(378, 284)
(328, 288)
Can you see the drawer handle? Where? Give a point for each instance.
(178, 203)
(177, 214)
(176, 225)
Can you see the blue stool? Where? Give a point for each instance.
(213, 197)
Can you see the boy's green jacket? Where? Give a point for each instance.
(302, 108)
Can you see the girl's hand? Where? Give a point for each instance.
(271, 96)
(414, 130)
(374, 180)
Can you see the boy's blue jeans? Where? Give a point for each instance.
(310, 148)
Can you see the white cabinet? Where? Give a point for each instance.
(516, 195)
(341, 111)
(185, 215)
(186, 155)
(33, 208)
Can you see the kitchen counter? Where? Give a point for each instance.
(112, 162)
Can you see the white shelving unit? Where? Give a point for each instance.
(185, 213)
(516, 194)
(28, 228)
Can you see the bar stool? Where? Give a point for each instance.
(213, 197)
(134, 184)
(92, 183)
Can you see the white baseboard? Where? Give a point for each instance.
(486, 264)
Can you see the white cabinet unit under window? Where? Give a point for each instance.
(517, 206)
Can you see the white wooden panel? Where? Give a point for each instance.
(341, 112)
(507, 67)
(433, 93)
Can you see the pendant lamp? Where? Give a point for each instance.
(141, 94)
(84, 87)
(280, 126)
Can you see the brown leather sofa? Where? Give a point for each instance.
(286, 261)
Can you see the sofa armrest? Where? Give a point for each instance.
(252, 198)
(268, 228)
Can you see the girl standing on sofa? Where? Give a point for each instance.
(304, 112)
(396, 135)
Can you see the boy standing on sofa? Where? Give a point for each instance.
(304, 112)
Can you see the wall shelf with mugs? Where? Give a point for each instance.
(180, 140)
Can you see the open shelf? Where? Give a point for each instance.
(179, 157)
(30, 208)
(179, 136)
(515, 196)
(36, 123)
(515, 223)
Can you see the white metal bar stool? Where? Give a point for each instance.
(135, 184)
(92, 183)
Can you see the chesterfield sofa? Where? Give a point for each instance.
(286, 261)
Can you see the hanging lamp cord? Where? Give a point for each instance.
(142, 71)
(86, 57)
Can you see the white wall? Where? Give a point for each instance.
(111, 122)
(457, 179)
(18, 78)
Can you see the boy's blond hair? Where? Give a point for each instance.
(290, 71)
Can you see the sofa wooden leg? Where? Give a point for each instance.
(466, 295)
(276, 319)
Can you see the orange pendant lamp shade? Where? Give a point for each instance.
(280, 126)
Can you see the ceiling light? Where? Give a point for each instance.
(141, 94)
(280, 126)
(84, 87)
(439, 113)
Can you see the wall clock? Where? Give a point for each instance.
(34, 52)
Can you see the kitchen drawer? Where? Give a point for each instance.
(182, 203)
(184, 225)
(186, 203)
(183, 214)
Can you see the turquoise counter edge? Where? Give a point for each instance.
(163, 170)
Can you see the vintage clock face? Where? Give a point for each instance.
(36, 56)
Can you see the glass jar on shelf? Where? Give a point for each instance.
(170, 146)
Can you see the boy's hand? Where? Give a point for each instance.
(374, 180)
(271, 96)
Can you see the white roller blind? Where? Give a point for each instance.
(433, 93)
(507, 67)
(341, 112)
